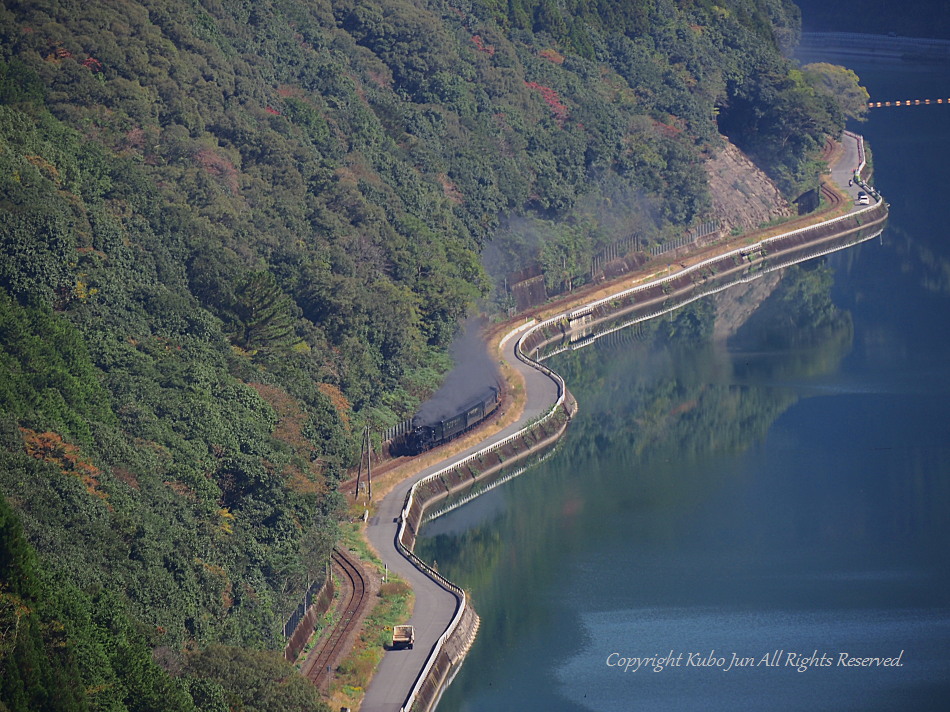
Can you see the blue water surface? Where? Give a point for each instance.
(806, 512)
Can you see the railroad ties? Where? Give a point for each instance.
(320, 663)
(907, 102)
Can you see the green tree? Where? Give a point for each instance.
(265, 316)
(256, 681)
(842, 85)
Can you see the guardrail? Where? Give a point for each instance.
(858, 178)
(443, 639)
(860, 140)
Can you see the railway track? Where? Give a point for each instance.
(333, 647)
(379, 469)
(831, 196)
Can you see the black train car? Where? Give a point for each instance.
(426, 437)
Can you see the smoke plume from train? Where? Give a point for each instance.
(471, 377)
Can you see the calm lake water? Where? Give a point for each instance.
(785, 492)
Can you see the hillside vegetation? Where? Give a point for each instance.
(233, 233)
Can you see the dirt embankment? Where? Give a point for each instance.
(743, 196)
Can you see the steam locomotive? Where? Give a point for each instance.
(426, 437)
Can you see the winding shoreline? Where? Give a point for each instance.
(443, 656)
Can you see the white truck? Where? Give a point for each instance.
(403, 637)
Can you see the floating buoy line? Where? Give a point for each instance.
(906, 102)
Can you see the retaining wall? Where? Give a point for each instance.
(871, 45)
(321, 604)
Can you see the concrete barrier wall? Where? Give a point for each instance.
(870, 45)
(303, 631)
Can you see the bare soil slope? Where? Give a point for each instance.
(742, 195)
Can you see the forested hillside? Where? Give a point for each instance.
(234, 232)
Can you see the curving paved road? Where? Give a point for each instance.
(843, 169)
(434, 605)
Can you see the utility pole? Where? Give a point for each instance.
(359, 471)
(366, 449)
(369, 465)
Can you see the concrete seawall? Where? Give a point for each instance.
(891, 47)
